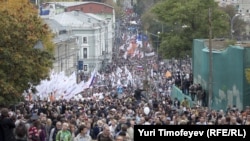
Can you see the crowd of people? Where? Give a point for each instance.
(112, 116)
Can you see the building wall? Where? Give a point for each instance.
(101, 9)
(244, 6)
(98, 29)
(106, 32)
(65, 57)
(227, 2)
(229, 84)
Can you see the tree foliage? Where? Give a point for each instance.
(20, 63)
(117, 7)
(187, 20)
(141, 6)
(247, 72)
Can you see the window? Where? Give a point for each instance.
(84, 40)
(62, 32)
(85, 53)
(85, 68)
(77, 40)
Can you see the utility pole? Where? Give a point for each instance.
(210, 90)
(145, 81)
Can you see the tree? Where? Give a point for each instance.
(142, 6)
(247, 74)
(187, 20)
(20, 63)
(117, 7)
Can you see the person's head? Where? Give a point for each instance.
(202, 119)
(99, 123)
(233, 120)
(72, 127)
(123, 119)
(49, 122)
(43, 119)
(132, 123)
(113, 122)
(58, 125)
(124, 127)
(65, 126)
(37, 124)
(106, 130)
(88, 125)
(83, 129)
(5, 112)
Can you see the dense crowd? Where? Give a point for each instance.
(108, 119)
(108, 113)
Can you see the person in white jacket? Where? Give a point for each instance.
(83, 136)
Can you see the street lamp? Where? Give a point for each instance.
(158, 38)
(38, 45)
(157, 47)
(79, 63)
(232, 23)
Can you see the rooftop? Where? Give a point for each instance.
(68, 4)
(76, 3)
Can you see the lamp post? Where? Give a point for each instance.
(79, 63)
(145, 81)
(158, 39)
(38, 45)
(157, 47)
(232, 23)
(210, 79)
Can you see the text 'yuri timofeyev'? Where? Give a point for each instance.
(165, 132)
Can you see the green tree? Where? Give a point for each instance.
(20, 63)
(141, 6)
(117, 7)
(247, 74)
(187, 20)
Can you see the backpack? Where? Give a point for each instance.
(33, 131)
(21, 130)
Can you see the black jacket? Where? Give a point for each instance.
(137, 94)
(7, 125)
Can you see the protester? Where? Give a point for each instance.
(7, 125)
(83, 136)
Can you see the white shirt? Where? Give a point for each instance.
(80, 137)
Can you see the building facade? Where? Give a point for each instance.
(89, 35)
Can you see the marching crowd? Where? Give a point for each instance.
(113, 116)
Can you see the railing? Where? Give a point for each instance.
(177, 93)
